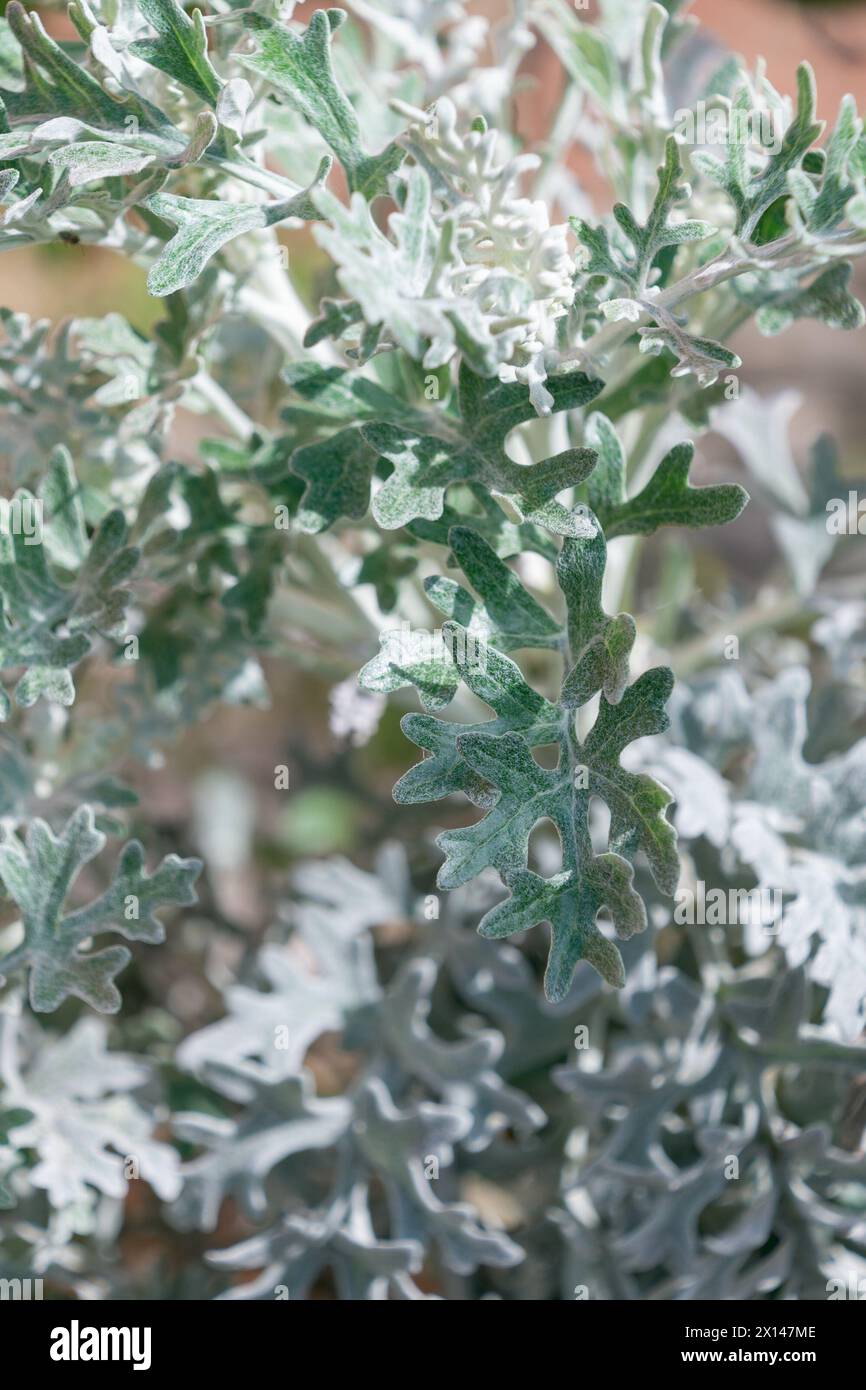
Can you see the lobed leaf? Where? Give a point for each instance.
(38, 876)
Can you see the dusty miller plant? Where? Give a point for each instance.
(430, 469)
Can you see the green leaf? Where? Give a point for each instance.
(38, 876)
(91, 160)
(338, 472)
(509, 618)
(530, 793)
(667, 499)
(570, 901)
(827, 299)
(704, 358)
(829, 205)
(515, 618)
(753, 193)
(659, 231)
(66, 537)
(637, 802)
(600, 260)
(424, 466)
(205, 226)
(506, 538)
(181, 48)
(498, 681)
(414, 658)
(571, 906)
(165, 146)
(336, 317)
(332, 394)
(56, 85)
(301, 67)
(606, 484)
(492, 763)
(430, 450)
(48, 625)
(600, 646)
